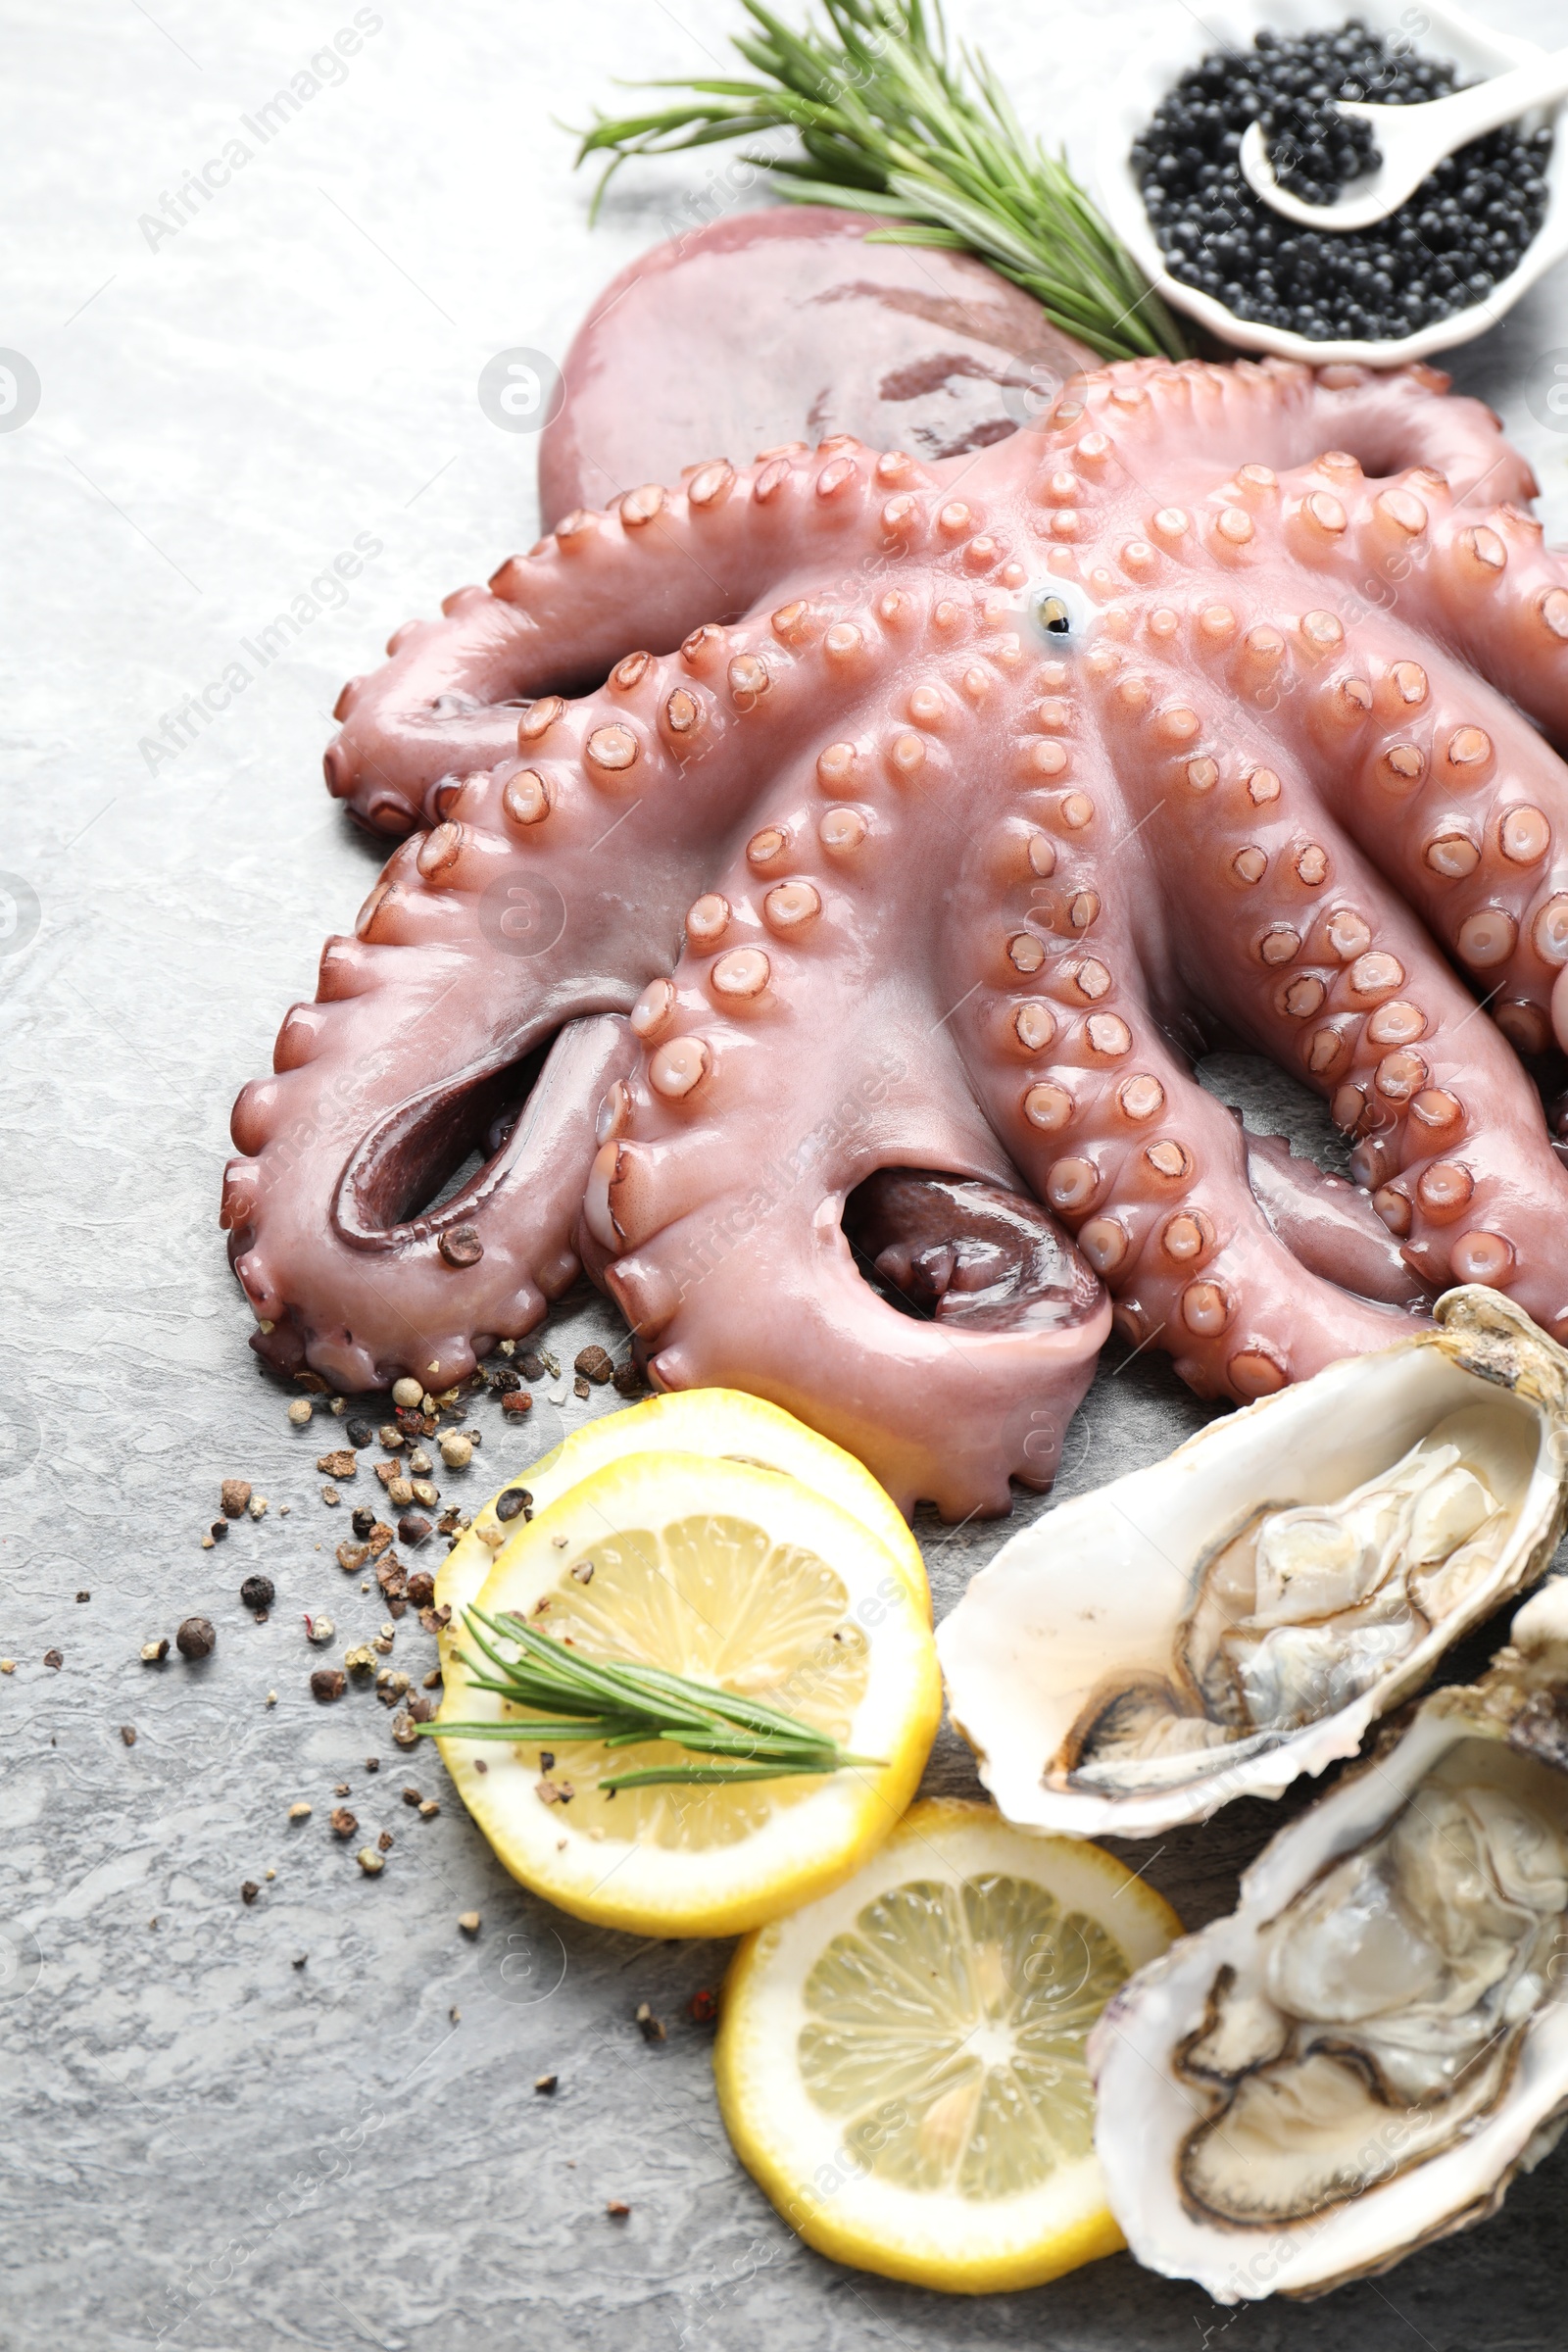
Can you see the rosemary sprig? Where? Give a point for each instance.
(579, 1697)
(890, 127)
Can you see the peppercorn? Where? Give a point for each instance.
(196, 1638)
(258, 1592)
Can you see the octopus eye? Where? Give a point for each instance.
(1060, 613)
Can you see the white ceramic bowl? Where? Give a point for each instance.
(1438, 31)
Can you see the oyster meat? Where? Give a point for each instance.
(1364, 2054)
(1238, 1614)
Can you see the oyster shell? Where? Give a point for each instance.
(1237, 1614)
(1361, 2057)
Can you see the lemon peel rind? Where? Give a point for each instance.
(1021, 2251)
(800, 1855)
(676, 1423)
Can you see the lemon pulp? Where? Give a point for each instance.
(946, 2034)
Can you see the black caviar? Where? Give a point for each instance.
(1460, 234)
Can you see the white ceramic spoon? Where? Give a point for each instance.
(1414, 139)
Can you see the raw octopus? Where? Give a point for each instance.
(822, 873)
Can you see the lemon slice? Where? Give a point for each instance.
(901, 2065)
(730, 1574)
(713, 1421)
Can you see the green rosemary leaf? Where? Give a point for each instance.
(573, 1698)
(891, 125)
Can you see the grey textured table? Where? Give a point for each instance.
(230, 2126)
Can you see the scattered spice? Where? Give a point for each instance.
(554, 1792)
(84, 1596)
(595, 1364)
(650, 2026)
(429, 1808)
(331, 1498)
(407, 1392)
(400, 1492)
(413, 1528)
(457, 1451)
(219, 1531)
(515, 1500)
(351, 1557)
(469, 1922)
(9, 1665)
(249, 1891)
(579, 1389)
(363, 1521)
(508, 1382)
(197, 1637)
(371, 1862)
(531, 1364)
(628, 1378)
(236, 1494)
(411, 1796)
(545, 2084)
(703, 2007)
(518, 1403)
(326, 1683)
(344, 1822)
(420, 1588)
(360, 1431)
(299, 1810)
(338, 1464)
(54, 1657)
(128, 1732)
(257, 1506)
(386, 1841)
(618, 2209)
(406, 1732)
(391, 1437)
(583, 1572)
(319, 1628)
(298, 1413)
(155, 1652)
(461, 1246)
(258, 1592)
(361, 1659)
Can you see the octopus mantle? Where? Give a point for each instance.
(818, 876)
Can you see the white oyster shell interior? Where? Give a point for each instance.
(1237, 1614)
(1365, 2051)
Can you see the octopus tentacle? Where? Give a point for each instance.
(650, 568)
(1147, 1170)
(714, 1208)
(1329, 1226)
(482, 939)
(1181, 424)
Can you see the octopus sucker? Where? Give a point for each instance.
(860, 828)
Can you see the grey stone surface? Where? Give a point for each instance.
(310, 2120)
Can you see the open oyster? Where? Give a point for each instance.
(1361, 2057)
(1236, 1615)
